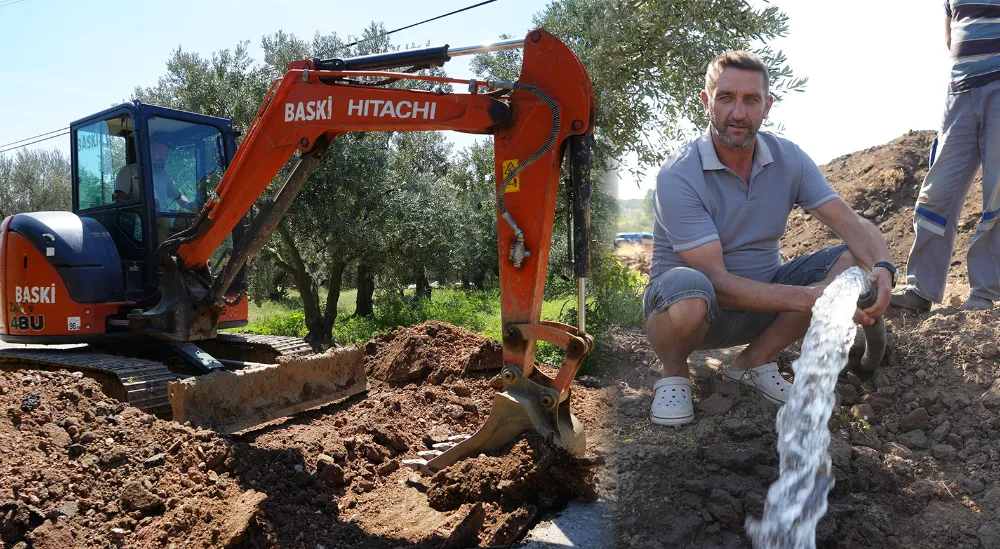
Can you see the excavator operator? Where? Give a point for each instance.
(165, 191)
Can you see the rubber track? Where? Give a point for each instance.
(144, 381)
(287, 346)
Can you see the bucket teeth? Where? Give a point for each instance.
(514, 411)
(418, 465)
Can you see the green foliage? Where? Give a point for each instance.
(647, 61)
(227, 84)
(614, 296)
(284, 324)
(636, 215)
(33, 181)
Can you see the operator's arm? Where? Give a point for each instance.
(743, 294)
(124, 183)
(947, 31)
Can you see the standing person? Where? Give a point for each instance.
(969, 138)
(720, 207)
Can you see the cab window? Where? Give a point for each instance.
(106, 171)
(188, 161)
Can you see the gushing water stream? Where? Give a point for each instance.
(797, 500)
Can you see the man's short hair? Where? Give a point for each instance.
(737, 60)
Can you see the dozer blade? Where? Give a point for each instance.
(230, 401)
(523, 405)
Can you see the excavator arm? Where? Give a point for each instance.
(534, 121)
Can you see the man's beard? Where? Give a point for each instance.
(722, 131)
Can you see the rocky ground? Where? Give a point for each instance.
(81, 470)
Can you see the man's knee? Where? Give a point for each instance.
(678, 322)
(680, 285)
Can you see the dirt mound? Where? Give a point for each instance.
(531, 470)
(881, 184)
(433, 351)
(914, 447)
(80, 470)
(512, 485)
(341, 466)
(635, 256)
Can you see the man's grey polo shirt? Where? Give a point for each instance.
(698, 200)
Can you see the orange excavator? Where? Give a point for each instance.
(138, 280)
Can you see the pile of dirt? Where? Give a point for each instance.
(881, 184)
(345, 460)
(78, 469)
(635, 256)
(512, 486)
(914, 447)
(433, 351)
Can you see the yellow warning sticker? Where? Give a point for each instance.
(514, 185)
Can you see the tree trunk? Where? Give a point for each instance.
(365, 304)
(335, 281)
(423, 286)
(479, 279)
(304, 282)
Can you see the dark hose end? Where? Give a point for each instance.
(868, 295)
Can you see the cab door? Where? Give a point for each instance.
(108, 187)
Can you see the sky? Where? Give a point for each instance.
(62, 60)
(876, 68)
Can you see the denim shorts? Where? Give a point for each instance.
(729, 327)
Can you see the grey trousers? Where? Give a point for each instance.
(969, 137)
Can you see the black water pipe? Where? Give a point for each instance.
(874, 334)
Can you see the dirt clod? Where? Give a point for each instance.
(31, 401)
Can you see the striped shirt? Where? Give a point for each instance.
(975, 42)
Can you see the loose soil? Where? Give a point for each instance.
(81, 470)
(915, 446)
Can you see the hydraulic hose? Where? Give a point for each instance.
(874, 334)
(549, 143)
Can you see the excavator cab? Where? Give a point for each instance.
(141, 174)
(144, 172)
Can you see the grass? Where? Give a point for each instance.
(476, 311)
(615, 302)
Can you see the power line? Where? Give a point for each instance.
(467, 8)
(33, 142)
(422, 22)
(32, 137)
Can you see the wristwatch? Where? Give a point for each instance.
(893, 271)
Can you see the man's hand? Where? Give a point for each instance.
(883, 285)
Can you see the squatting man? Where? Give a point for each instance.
(721, 205)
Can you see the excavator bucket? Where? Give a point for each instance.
(522, 406)
(230, 401)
